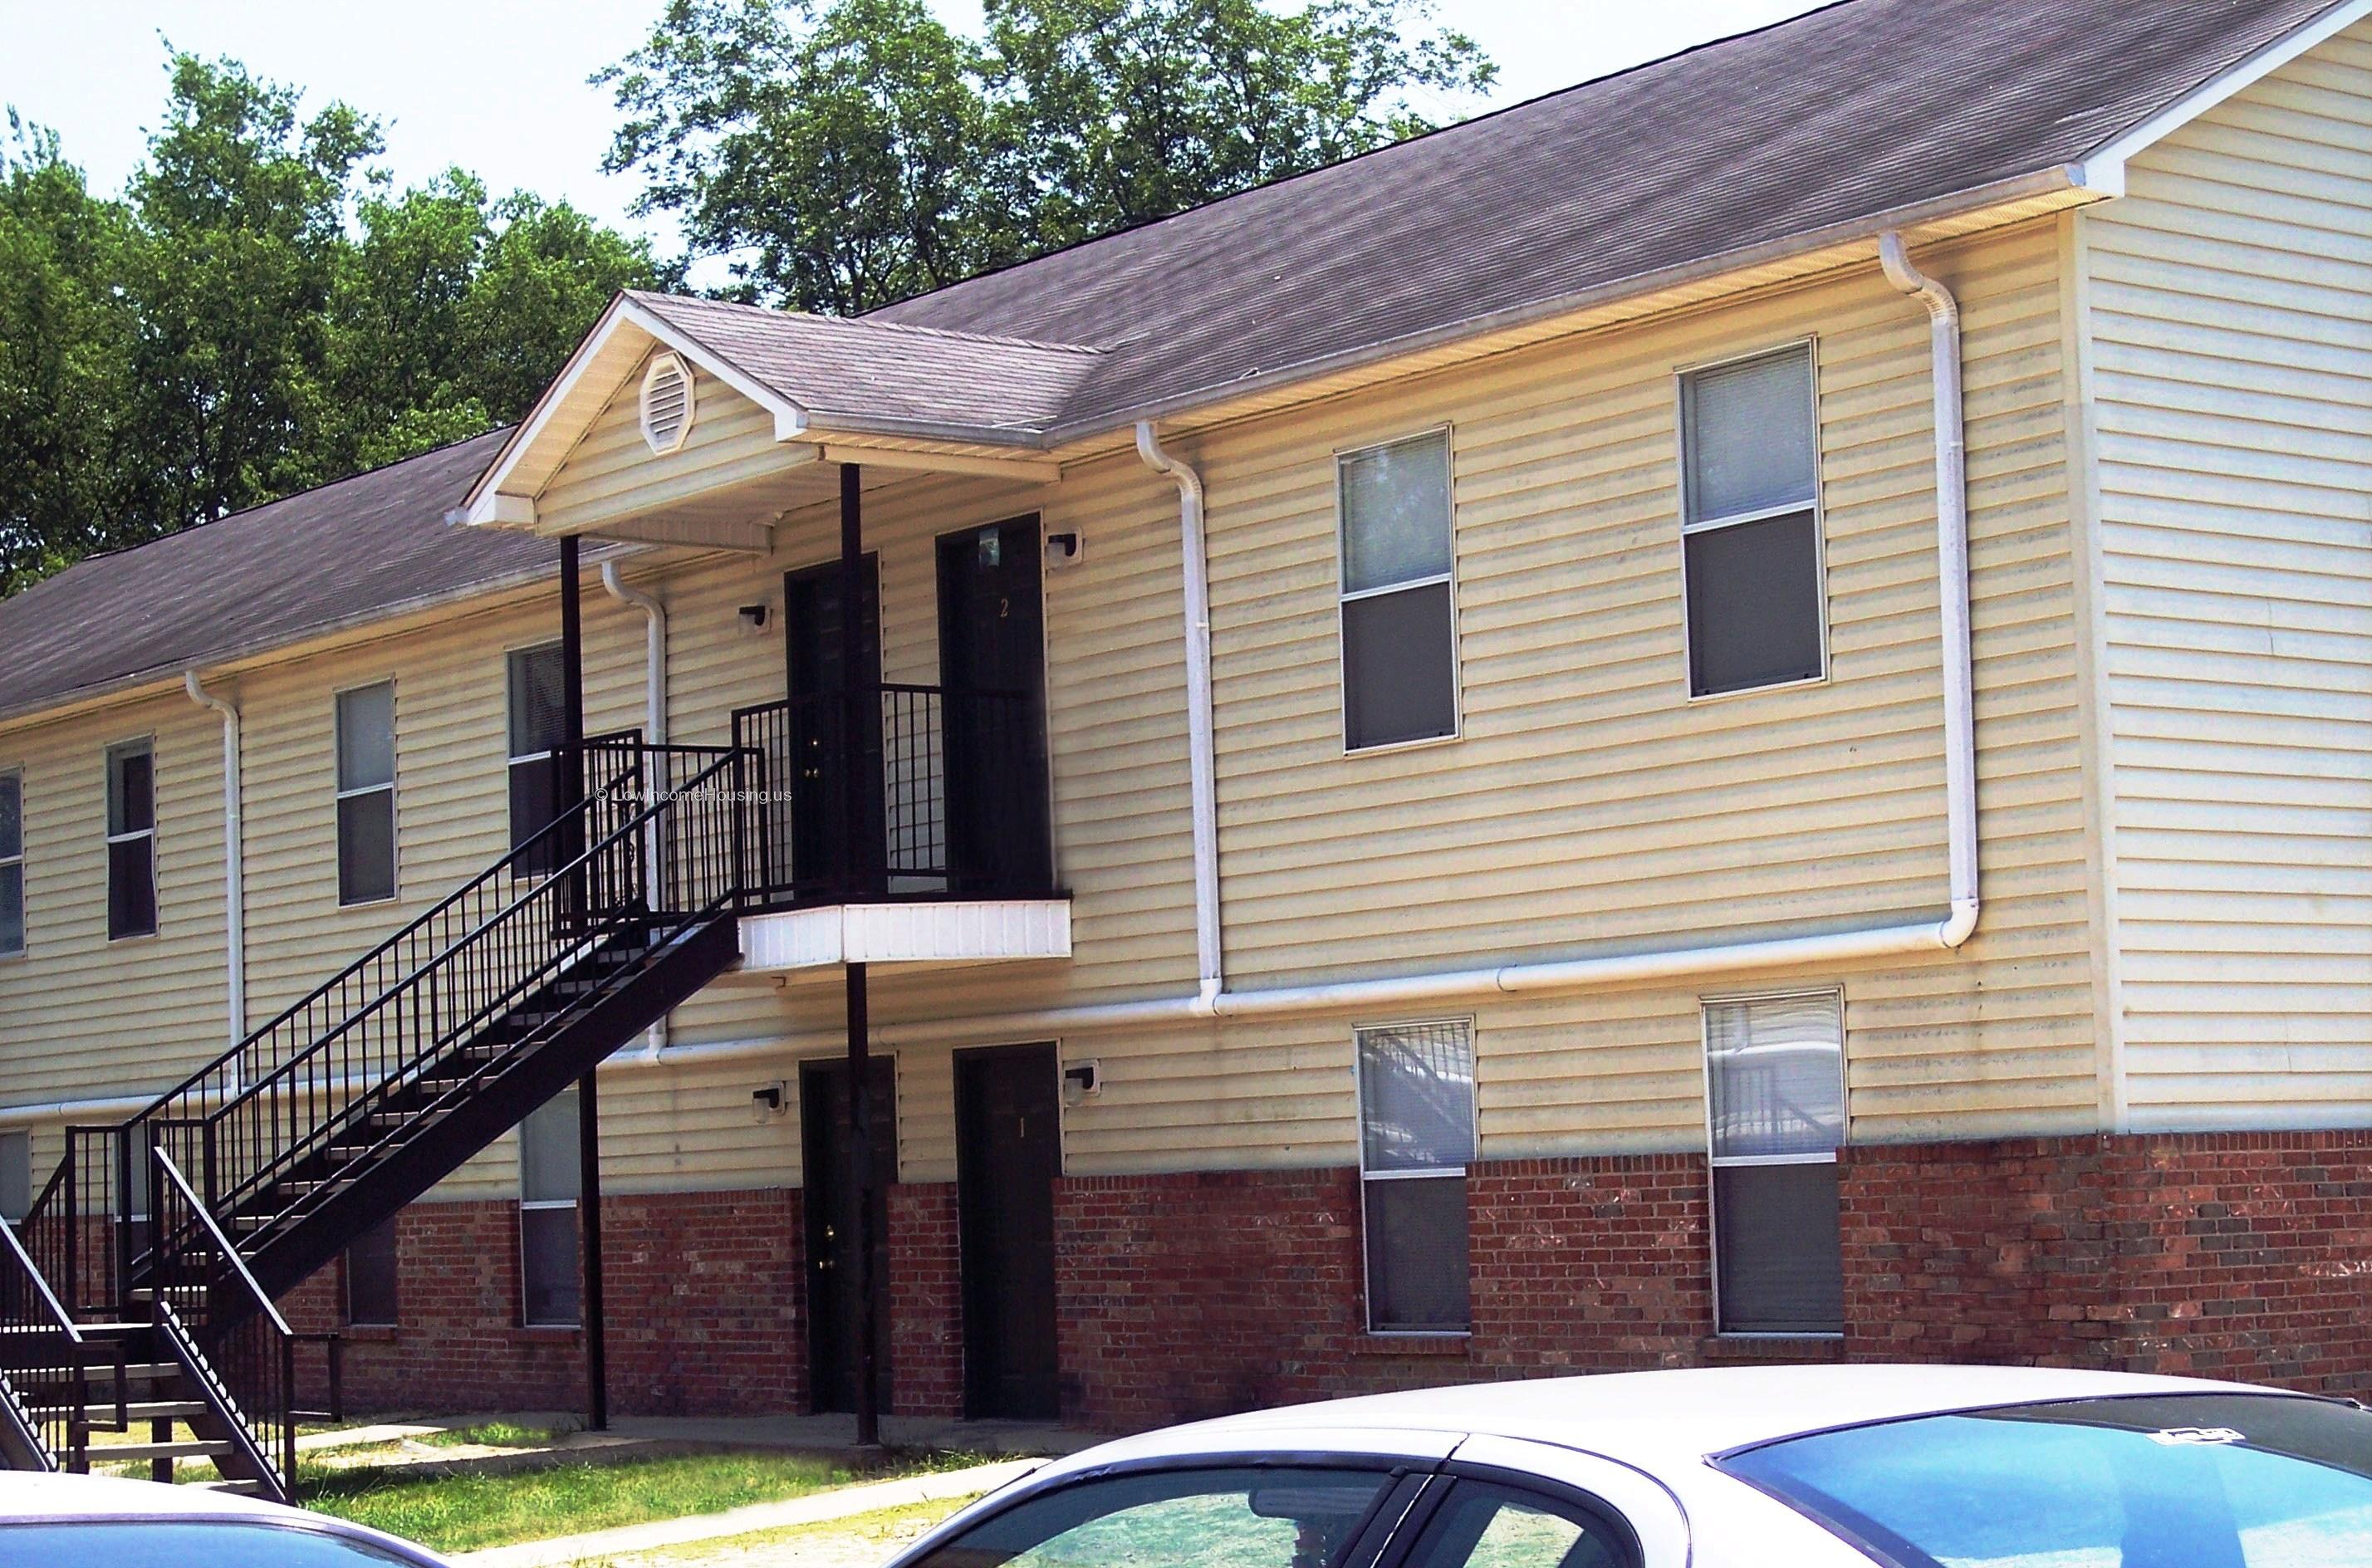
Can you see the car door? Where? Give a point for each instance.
(1508, 1502)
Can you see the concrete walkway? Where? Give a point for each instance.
(841, 1503)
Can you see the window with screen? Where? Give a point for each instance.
(1417, 1138)
(549, 1181)
(371, 1277)
(1399, 634)
(1751, 538)
(366, 724)
(1774, 1077)
(537, 682)
(12, 864)
(131, 840)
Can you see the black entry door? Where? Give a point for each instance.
(830, 1221)
(993, 664)
(835, 744)
(1009, 1154)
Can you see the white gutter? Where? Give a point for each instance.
(655, 706)
(1201, 751)
(234, 855)
(1952, 577)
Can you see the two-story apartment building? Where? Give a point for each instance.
(1725, 714)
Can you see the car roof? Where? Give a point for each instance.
(1680, 1414)
(30, 1497)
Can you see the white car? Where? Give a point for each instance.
(69, 1521)
(1793, 1467)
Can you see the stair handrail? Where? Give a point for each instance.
(21, 1261)
(205, 1219)
(647, 814)
(516, 853)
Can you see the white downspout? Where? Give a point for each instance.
(233, 855)
(1201, 751)
(1952, 580)
(655, 706)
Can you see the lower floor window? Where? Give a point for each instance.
(550, 1182)
(1774, 1077)
(371, 1277)
(1417, 1138)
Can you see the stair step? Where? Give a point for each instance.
(189, 1448)
(134, 1410)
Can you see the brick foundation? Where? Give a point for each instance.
(1189, 1295)
(706, 1313)
(2218, 1255)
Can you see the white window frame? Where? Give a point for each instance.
(107, 808)
(339, 796)
(542, 1205)
(1343, 595)
(1832, 993)
(24, 895)
(1810, 345)
(1359, 1101)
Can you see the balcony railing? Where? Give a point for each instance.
(898, 792)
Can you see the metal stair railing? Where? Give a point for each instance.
(44, 1353)
(235, 1348)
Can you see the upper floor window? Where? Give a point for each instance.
(1775, 1084)
(1751, 538)
(1399, 629)
(12, 864)
(1417, 1137)
(131, 840)
(536, 680)
(366, 794)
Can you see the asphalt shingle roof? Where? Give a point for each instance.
(1844, 114)
(358, 547)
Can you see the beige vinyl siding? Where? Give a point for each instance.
(611, 472)
(2230, 305)
(82, 1017)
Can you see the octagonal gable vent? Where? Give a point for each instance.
(666, 403)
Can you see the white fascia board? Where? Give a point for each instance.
(473, 508)
(2104, 169)
(790, 419)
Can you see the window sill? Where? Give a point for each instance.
(1389, 748)
(550, 1334)
(1453, 1345)
(1815, 1348)
(370, 1333)
(1796, 685)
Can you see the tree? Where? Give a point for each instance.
(263, 311)
(854, 154)
(66, 487)
(241, 221)
(1134, 109)
(848, 153)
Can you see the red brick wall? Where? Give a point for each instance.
(1194, 1295)
(704, 1312)
(925, 1301)
(2220, 1255)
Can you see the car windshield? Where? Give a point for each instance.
(187, 1543)
(2210, 1480)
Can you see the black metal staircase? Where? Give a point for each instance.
(140, 1286)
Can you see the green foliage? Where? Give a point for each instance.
(852, 154)
(259, 313)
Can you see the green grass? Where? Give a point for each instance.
(463, 1513)
(498, 1434)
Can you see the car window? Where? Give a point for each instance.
(1486, 1526)
(178, 1543)
(2160, 1482)
(1285, 1517)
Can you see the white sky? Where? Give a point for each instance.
(498, 86)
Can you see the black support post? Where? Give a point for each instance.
(571, 782)
(853, 856)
